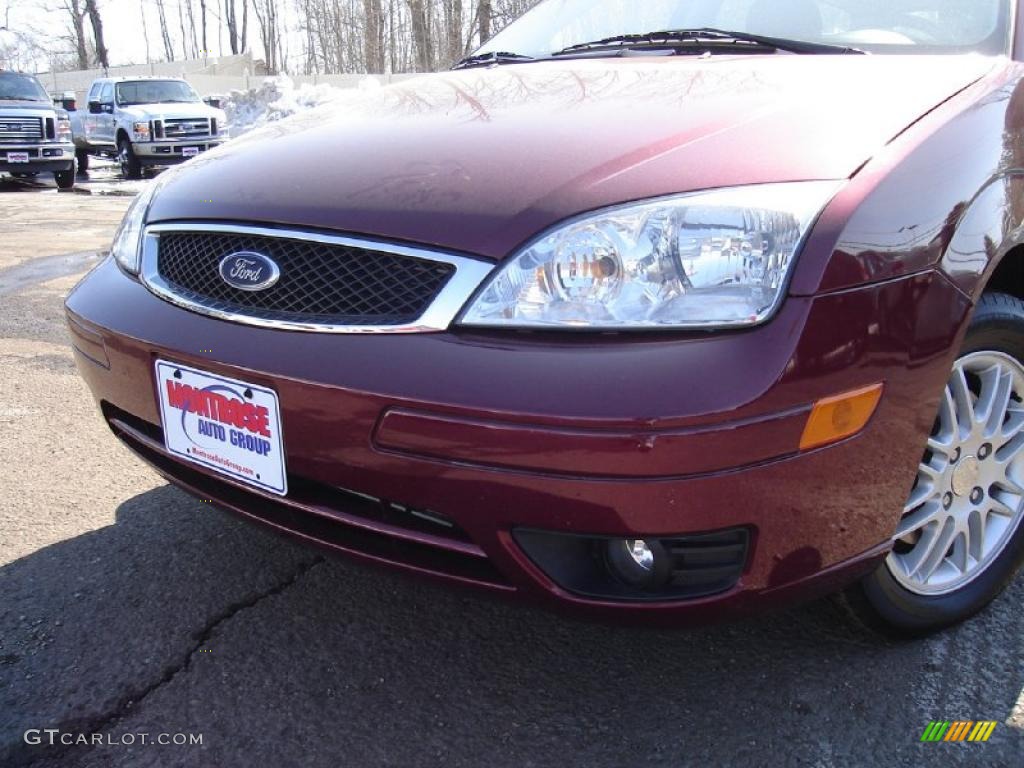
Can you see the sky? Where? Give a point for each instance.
(122, 25)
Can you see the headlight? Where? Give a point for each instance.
(128, 238)
(141, 131)
(63, 128)
(709, 259)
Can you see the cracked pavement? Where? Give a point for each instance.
(127, 607)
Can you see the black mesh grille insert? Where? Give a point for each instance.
(322, 283)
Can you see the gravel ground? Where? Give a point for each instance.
(127, 607)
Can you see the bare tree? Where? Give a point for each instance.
(184, 35)
(229, 16)
(237, 35)
(77, 12)
(97, 33)
(187, 22)
(145, 30)
(202, 18)
(453, 29)
(270, 33)
(243, 38)
(373, 37)
(165, 34)
(484, 17)
(421, 35)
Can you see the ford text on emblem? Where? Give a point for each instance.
(248, 271)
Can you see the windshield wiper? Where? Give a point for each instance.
(494, 57)
(678, 38)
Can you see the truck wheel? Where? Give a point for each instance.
(131, 168)
(961, 540)
(65, 179)
(82, 158)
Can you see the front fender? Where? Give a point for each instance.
(990, 227)
(947, 195)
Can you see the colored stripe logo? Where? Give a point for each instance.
(958, 730)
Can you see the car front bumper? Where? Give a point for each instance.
(628, 435)
(171, 152)
(42, 158)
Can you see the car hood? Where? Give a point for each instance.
(481, 160)
(42, 106)
(171, 109)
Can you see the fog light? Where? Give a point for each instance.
(638, 562)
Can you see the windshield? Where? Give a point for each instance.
(154, 92)
(878, 26)
(15, 87)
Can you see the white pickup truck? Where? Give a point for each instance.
(35, 137)
(145, 121)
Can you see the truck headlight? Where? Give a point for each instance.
(127, 245)
(140, 131)
(63, 128)
(702, 260)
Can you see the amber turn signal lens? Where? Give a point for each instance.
(835, 418)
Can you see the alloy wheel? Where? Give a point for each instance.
(968, 497)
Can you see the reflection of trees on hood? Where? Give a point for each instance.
(376, 36)
(475, 93)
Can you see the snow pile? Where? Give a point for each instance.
(277, 98)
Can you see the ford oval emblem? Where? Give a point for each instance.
(248, 271)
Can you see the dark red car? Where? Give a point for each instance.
(662, 311)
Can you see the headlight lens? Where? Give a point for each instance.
(710, 259)
(128, 238)
(141, 131)
(63, 128)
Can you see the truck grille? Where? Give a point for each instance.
(191, 128)
(320, 283)
(20, 129)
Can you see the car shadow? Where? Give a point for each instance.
(178, 617)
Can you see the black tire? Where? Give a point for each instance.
(65, 179)
(879, 600)
(82, 158)
(131, 168)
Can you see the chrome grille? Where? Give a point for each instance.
(21, 129)
(319, 283)
(190, 128)
(456, 278)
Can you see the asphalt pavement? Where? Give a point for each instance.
(130, 612)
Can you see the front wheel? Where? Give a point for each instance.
(131, 168)
(65, 179)
(960, 539)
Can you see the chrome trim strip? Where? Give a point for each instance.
(469, 275)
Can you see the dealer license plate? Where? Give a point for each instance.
(17, 157)
(189, 151)
(228, 426)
